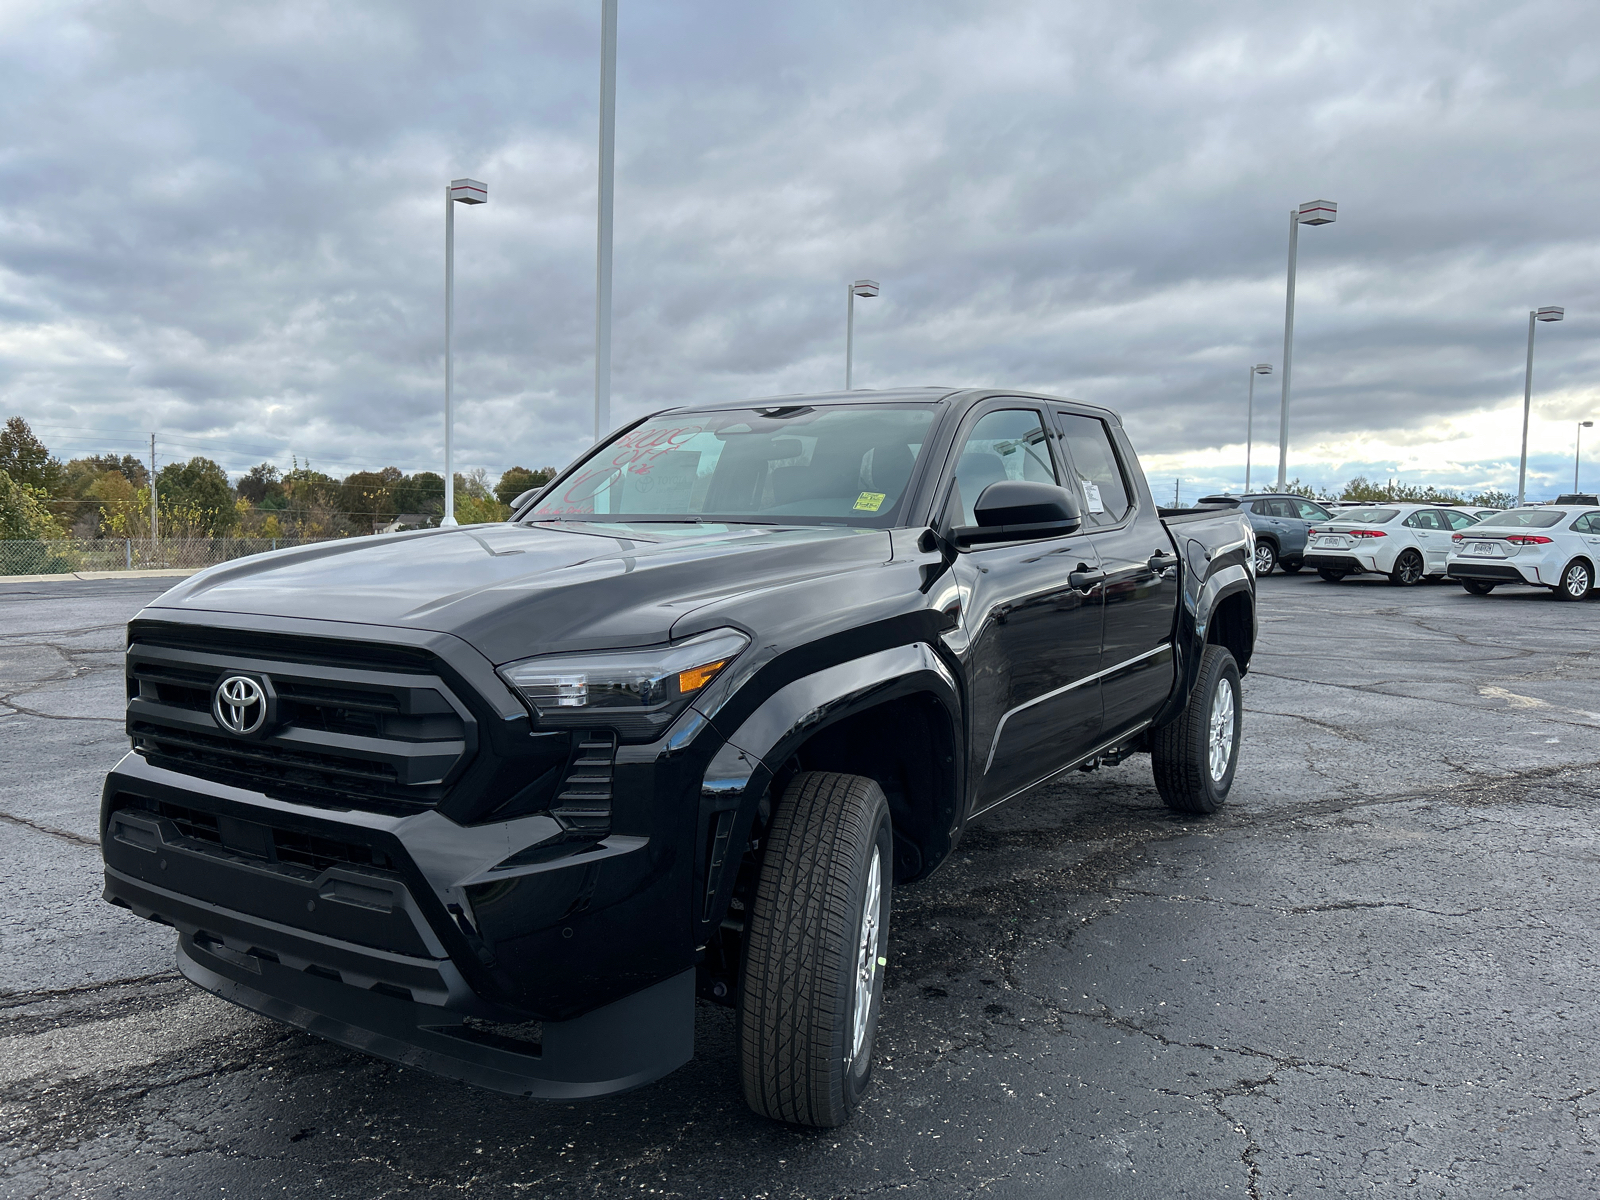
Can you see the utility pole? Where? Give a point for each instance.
(1175, 484)
(602, 266)
(153, 531)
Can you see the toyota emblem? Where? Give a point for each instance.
(240, 705)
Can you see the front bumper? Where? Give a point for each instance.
(400, 937)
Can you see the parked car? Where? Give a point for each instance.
(1557, 548)
(1280, 523)
(1406, 542)
(500, 801)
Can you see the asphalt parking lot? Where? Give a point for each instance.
(1373, 973)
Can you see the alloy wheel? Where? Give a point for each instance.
(1577, 581)
(867, 954)
(1220, 733)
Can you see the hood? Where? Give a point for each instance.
(516, 590)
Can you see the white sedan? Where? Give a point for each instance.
(1557, 548)
(1406, 542)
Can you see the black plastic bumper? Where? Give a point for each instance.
(1335, 562)
(1493, 572)
(622, 1045)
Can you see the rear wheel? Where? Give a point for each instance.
(1332, 576)
(1577, 581)
(1408, 569)
(812, 981)
(1478, 587)
(1195, 755)
(1266, 558)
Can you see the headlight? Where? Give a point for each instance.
(635, 692)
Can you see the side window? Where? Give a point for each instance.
(1584, 524)
(1458, 520)
(1284, 508)
(1262, 508)
(1101, 484)
(1433, 519)
(1008, 444)
(1414, 521)
(1310, 511)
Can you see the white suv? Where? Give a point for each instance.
(1406, 542)
(1548, 547)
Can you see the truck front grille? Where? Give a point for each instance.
(372, 732)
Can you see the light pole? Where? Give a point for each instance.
(864, 288)
(1549, 312)
(602, 268)
(1250, 417)
(459, 191)
(1312, 212)
(1577, 452)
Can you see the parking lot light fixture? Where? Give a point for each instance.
(1312, 212)
(864, 288)
(1548, 313)
(1250, 417)
(1577, 452)
(458, 191)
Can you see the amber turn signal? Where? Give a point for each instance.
(696, 678)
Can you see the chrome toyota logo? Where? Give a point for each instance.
(240, 705)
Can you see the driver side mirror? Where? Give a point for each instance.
(1015, 510)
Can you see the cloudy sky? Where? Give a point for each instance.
(222, 223)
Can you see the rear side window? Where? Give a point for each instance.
(1587, 523)
(1426, 519)
(1458, 520)
(1100, 482)
(1009, 444)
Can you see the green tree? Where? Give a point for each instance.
(1492, 499)
(368, 497)
(518, 480)
(23, 515)
(422, 493)
(198, 490)
(26, 460)
(262, 487)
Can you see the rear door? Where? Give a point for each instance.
(1307, 514)
(1432, 532)
(1032, 611)
(1141, 576)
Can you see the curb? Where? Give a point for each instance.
(172, 573)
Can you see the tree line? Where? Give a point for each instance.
(108, 495)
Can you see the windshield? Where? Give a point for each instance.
(1366, 516)
(833, 464)
(1523, 518)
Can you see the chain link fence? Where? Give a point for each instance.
(65, 555)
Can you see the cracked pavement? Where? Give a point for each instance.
(1373, 971)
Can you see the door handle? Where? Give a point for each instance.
(1161, 562)
(1085, 578)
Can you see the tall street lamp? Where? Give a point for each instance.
(1250, 418)
(1577, 452)
(864, 288)
(602, 268)
(459, 191)
(1312, 212)
(1549, 312)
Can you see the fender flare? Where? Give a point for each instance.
(741, 771)
(1228, 578)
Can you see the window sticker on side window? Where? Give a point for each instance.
(1091, 492)
(870, 501)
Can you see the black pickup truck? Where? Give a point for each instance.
(501, 801)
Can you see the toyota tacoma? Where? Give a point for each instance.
(502, 801)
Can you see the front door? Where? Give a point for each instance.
(1141, 584)
(1032, 613)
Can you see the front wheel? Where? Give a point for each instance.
(1478, 587)
(1196, 754)
(812, 978)
(1332, 576)
(1266, 558)
(1577, 581)
(1408, 569)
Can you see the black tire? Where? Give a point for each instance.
(1577, 581)
(1181, 751)
(800, 1058)
(1292, 568)
(1332, 576)
(1266, 558)
(1408, 569)
(1478, 587)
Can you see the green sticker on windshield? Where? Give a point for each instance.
(870, 501)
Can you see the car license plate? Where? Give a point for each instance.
(1485, 549)
(1332, 543)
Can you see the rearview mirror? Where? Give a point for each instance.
(1014, 510)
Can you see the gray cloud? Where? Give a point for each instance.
(224, 223)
